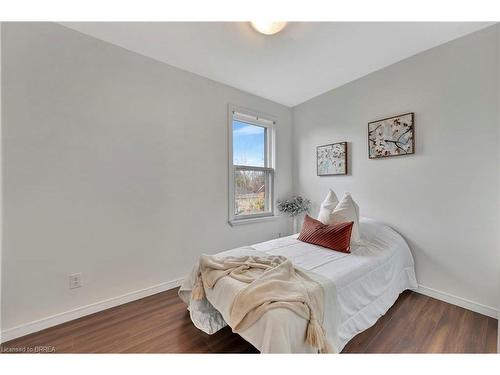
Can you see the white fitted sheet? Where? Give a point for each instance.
(367, 281)
(361, 287)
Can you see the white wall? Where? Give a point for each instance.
(115, 166)
(445, 199)
(498, 228)
(1, 195)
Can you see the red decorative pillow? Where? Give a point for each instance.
(333, 236)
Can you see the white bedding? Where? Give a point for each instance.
(366, 283)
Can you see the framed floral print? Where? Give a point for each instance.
(392, 136)
(331, 159)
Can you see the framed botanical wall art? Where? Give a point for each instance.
(393, 136)
(331, 159)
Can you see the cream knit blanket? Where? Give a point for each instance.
(268, 282)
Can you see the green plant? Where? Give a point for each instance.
(294, 206)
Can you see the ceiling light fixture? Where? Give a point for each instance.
(268, 28)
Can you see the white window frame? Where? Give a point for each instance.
(266, 121)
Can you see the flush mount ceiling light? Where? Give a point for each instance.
(268, 28)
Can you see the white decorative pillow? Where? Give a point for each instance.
(347, 210)
(327, 207)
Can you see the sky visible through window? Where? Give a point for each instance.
(248, 144)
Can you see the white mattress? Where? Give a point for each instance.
(367, 281)
(359, 288)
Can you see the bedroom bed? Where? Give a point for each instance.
(359, 288)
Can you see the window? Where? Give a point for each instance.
(251, 165)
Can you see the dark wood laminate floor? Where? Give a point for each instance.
(161, 324)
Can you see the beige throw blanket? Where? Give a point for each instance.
(272, 282)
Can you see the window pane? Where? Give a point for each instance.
(248, 144)
(250, 192)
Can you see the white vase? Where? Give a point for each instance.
(297, 220)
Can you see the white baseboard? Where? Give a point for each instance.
(459, 301)
(50, 321)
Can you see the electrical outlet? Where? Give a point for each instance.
(75, 280)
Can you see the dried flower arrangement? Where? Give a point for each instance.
(293, 207)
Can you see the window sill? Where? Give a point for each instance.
(256, 220)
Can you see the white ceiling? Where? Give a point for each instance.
(304, 60)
